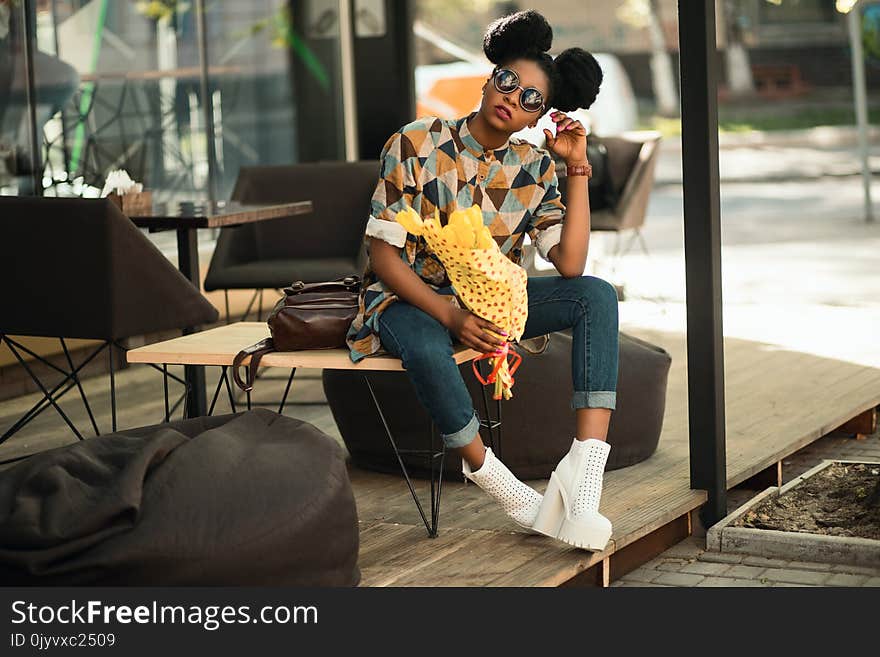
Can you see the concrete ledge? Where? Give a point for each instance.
(799, 546)
(713, 534)
(791, 546)
(809, 473)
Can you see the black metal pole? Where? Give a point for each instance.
(702, 247)
(30, 38)
(112, 388)
(207, 101)
(165, 386)
(194, 375)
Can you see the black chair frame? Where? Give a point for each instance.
(72, 379)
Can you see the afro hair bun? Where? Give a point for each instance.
(580, 77)
(515, 35)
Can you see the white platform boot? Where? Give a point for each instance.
(570, 511)
(518, 500)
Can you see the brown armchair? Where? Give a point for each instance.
(632, 160)
(324, 245)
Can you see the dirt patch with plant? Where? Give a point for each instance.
(841, 500)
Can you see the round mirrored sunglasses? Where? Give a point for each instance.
(507, 81)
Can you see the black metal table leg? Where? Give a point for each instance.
(489, 423)
(112, 389)
(188, 263)
(286, 390)
(165, 386)
(169, 408)
(217, 390)
(436, 477)
(435, 494)
(497, 422)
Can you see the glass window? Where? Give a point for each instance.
(276, 84)
(119, 86)
(16, 151)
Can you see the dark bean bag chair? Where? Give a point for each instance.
(538, 423)
(251, 499)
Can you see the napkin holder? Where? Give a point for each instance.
(133, 203)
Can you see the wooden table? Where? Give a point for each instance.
(186, 219)
(218, 347)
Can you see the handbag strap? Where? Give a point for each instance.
(256, 352)
(540, 350)
(348, 284)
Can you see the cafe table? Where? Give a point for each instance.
(187, 218)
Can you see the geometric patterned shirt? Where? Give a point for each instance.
(437, 163)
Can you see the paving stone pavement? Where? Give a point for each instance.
(689, 564)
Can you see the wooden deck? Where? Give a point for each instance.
(778, 400)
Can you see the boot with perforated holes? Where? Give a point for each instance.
(570, 510)
(518, 500)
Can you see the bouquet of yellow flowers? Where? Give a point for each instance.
(489, 283)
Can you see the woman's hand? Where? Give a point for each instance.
(473, 331)
(570, 142)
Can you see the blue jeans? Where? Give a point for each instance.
(586, 304)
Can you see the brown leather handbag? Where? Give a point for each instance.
(308, 316)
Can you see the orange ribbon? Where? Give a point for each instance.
(497, 362)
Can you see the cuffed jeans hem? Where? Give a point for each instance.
(594, 399)
(464, 436)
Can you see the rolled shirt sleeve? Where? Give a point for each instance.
(397, 185)
(546, 226)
